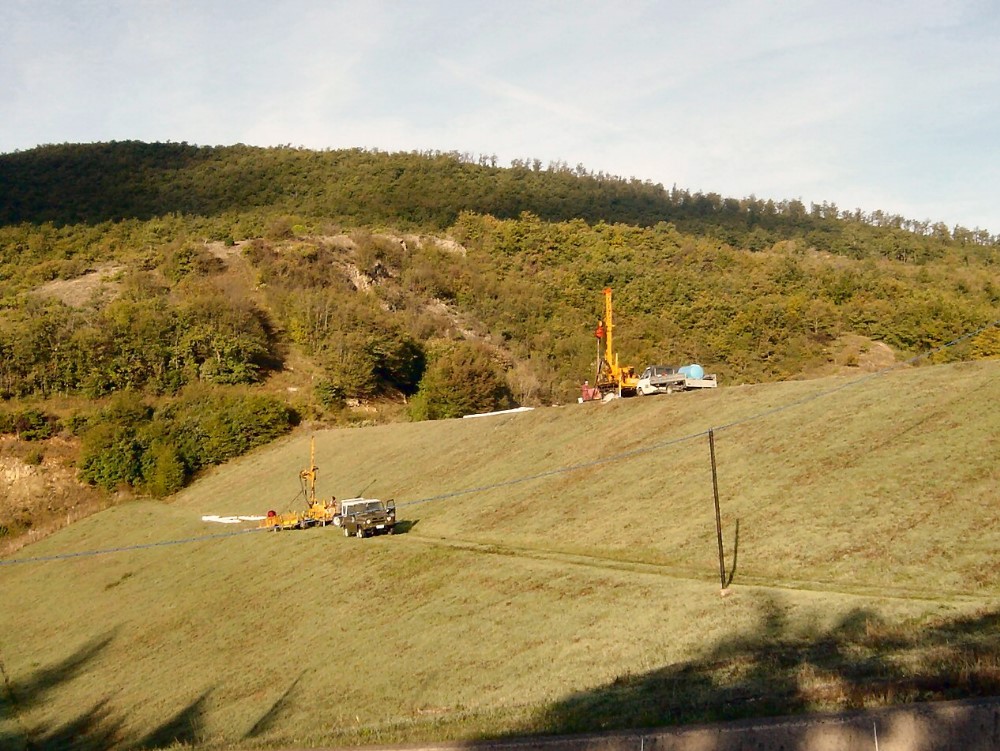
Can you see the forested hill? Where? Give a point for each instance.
(172, 306)
(92, 183)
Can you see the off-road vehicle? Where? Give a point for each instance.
(362, 517)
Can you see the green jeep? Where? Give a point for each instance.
(362, 517)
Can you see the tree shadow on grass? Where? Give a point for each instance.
(276, 710)
(184, 728)
(770, 671)
(97, 727)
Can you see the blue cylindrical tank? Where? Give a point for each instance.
(694, 371)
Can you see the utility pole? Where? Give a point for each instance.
(718, 514)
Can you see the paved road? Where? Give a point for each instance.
(972, 725)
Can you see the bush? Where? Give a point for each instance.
(29, 424)
(77, 423)
(280, 228)
(35, 425)
(163, 470)
(462, 380)
(330, 395)
(130, 444)
(182, 259)
(34, 457)
(212, 427)
(111, 456)
(370, 363)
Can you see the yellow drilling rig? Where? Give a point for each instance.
(317, 512)
(611, 377)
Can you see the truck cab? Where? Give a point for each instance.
(659, 379)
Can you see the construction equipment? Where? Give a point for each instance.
(612, 378)
(317, 512)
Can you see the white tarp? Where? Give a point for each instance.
(230, 519)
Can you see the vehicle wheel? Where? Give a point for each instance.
(347, 532)
(392, 531)
(361, 533)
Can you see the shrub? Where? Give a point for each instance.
(130, 444)
(185, 258)
(34, 457)
(111, 456)
(212, 427)
(29, 424)
(330, 395)
(163, 470)
(77, 423)
(35, 425)
(279, 228)
(462, 380)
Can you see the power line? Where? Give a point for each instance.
(127, 548)
(701, 433)
(138, 546)
(621, 456)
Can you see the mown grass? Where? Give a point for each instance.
(865, 562)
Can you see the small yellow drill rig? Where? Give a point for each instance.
(611, 377)
(317, 512)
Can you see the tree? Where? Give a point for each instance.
(461, 380)
(163, 470)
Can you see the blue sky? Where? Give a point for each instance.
(875, 105)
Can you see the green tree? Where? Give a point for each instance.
(111, 455)
(162, 470)
(461, 380)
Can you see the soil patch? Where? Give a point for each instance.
(39, 490)
(79, 291)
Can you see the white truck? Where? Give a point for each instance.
(663, 379)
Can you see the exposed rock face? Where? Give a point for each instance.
(39, 490)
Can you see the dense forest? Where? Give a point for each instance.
(175, 305)
(73, 183)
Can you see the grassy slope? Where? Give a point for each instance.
(867, 551)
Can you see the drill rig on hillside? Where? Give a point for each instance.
(317, 512)
(611, 378)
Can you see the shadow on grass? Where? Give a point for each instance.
(859, 662)
(276, 710)
(405, 525)
(736, 556)
(95, 728)
(184, 728)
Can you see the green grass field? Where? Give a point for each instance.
(575, 586)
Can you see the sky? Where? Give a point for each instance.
(891, 105)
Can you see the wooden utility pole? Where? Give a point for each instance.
(718, 513)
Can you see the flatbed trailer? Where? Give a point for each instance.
(663, 379)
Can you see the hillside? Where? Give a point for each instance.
(557, 572)
(166, 307)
